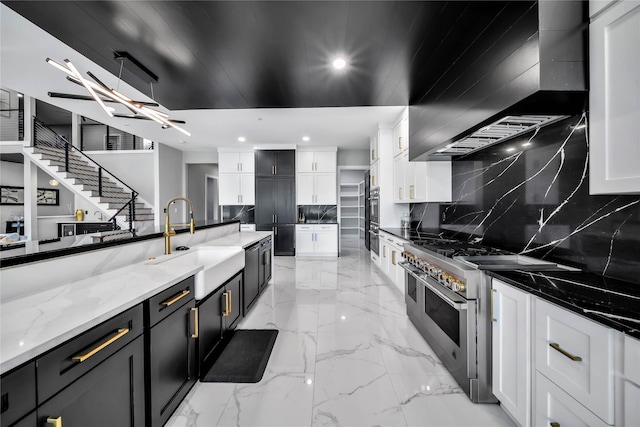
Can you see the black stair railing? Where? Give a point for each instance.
(43, 136)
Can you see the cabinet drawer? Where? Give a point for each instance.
(18, 393)
(326, 227)
(304, 227)
(76, 357)
(169, 300)
(576, 354)
(632, 360)
(554, 407)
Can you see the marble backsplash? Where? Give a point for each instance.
(530, 195)
(317, 214)
(245, 213)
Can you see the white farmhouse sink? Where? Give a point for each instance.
(220, 264)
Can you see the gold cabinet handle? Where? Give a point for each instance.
(412, 192)
(276, 169)
(82, 357)
(273, 170)
(493, 292)
(227, 303)
(564, 352)
(393, 257)
(373, 157)
(230, 302)
(55, 421)
(267, 254)
(196, 326)
(176, 298)
(555, 424)
(400, 142)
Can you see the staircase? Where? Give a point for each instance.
(86, 178)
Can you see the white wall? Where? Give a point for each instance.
(353, 158)
(196, 188)
(169, 175)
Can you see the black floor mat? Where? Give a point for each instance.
(245, 357)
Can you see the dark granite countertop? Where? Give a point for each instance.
(611, 302)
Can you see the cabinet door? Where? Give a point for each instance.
(375, 179)
(325, 161)
(233, 290)
(286, 162)
(327, 241)
(111, 394)
(247, 162)
(229, 185)
(209, 327)
(397, 140)
(398, 179)
(554, 407)
(265, 202)
(614, 49)
(265, 162)
(305, 162)
(247, 189)
(417, 181)
(285, 201)
(305, 189)
(18, 390)
(374, 152)
(304, 239)
(284, 240)
(511, 350)
(228, 162)
(252, 269)
(326, 189)
(265, 255)
(403, 141)
(172, 362)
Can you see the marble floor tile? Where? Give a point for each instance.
(346, 355)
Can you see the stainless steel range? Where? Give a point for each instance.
(449, 301)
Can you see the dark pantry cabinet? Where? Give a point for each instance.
(275, 162)
(276, 212)
(171, 350)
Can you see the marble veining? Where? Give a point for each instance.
(346, 355)
(317, 214)
(530, 195)
(244, 213)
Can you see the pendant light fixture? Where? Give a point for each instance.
(102, 94)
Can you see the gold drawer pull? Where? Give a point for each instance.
(82, 357)
(55, 421)
(393, 257)
(555, 424)
(226, 304)
(230, 304)
(196, 327)
(176, 298)
(557, 347)
(493, 292)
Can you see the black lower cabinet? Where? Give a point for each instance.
(111, 394)
(18, 389)
(171, 350)
(264, 271)
(252, 270)
(30, 420)
(218, 314)
(284, 240)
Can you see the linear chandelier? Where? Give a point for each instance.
(102, 94)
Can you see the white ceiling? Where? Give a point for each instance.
(25, 47)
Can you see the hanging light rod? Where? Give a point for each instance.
(101, 93)
(122, 55)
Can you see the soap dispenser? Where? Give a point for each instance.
(79, 215)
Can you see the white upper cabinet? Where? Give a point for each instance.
(236, 162)
(236, 176)
(401, 136)
(316, 177)
(374, 152)
(614, 99)
(419, 182)
(316, 161)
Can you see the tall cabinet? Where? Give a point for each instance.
(316, 176)
(614, 100)
(275, 197)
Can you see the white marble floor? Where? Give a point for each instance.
(346, 355)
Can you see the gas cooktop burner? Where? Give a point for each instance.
(451, 248)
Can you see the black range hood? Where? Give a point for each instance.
(520, 66)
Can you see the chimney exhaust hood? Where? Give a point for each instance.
(524, 69)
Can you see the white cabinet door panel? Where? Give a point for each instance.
(248, 189)
(305, 189)
(325, 161)
(247, 162)
(304, 161)
(229, 189)
(325, 189)
(228, 162)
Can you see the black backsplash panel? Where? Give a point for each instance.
(244, 213)
(535, 200)
(317, 214)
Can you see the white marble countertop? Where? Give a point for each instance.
(36, 323)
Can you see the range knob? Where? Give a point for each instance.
(458, 286)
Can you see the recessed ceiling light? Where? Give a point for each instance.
(339, 63)
(305, 138)
(242, 139)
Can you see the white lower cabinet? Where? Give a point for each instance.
(629, 410)
(511, 350)
(576, 354)
(391, 249)
(556, 408)
(317, 239)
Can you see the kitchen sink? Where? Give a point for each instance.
(220, 264)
